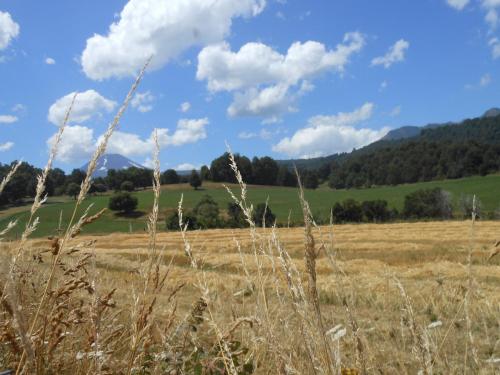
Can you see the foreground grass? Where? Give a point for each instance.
(359, 294)
(283, 202)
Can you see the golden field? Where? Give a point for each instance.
(449, 323)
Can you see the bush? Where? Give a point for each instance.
(169, 177)
(195, 180)
(465, 205)
(172, 221)
(207, 213)
(263, 214)
(123, 202)
(236, 217)
(376, 211)
(127, 186)
(349, 211)
(73, 189)
(428, 203)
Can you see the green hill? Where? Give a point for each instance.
(283, 202)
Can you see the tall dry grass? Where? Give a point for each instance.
(63, 311)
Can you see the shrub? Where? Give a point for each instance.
(123, 202)
(376, 211)
(236, 217)
(170, 176)
(127, 186)
(428, 203)
(195, 180)
(73, 189)
(348, 211)
(172, 221)
(263, 214)
(207, 213)
(465, 205)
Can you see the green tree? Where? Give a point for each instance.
(73, 190)
(376, 211)
(123, 202)
(236, 216)
(311, 180)
(172, 221)
(170, 177)
(195, 180)
(427, 203)
(262, 214)
(127, 186)
(205, 173)
(206, 212)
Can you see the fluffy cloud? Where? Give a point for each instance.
(188, 131)
(50, 61)
(494, 43)
(458, 4)
(187, 167)
(6, 146)
(185, 107)
(162, 29)
(78, 142)
(256, 64)
(263, 134)
(8, 29)
(491, 17)
(265, 82)
(325, 135)
(143, 101)
(8, 119)
(87, 105)
(395, 54)
(485, 80)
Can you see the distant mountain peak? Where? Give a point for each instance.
(492, 112)
(111, 161)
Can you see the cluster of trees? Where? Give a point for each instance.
(206, 215)
(23, 184)
(258, 171)
(412, 162)
(421, 204)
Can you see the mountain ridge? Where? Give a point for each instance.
(111, 161)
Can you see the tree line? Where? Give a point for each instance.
(413, 161)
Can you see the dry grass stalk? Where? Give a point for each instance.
(310, 258)
(418, 334)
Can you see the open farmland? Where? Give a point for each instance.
(358, 287)
(283, 202)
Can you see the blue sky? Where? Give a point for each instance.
(283, 78)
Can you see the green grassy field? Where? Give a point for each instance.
(283, 201)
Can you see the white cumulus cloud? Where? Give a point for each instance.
(185, 107)
(8, 29)
(6, 146)
(266, 83)
(8, 119)
(458, 4)
(87, 105)
(395, 54)
(325, 135)
(494, 43)
(143, 102)
(187, 167)
(50, 61)
(78, 142)
(162, 29)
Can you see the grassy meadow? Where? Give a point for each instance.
(375, 327)
(283, 202)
